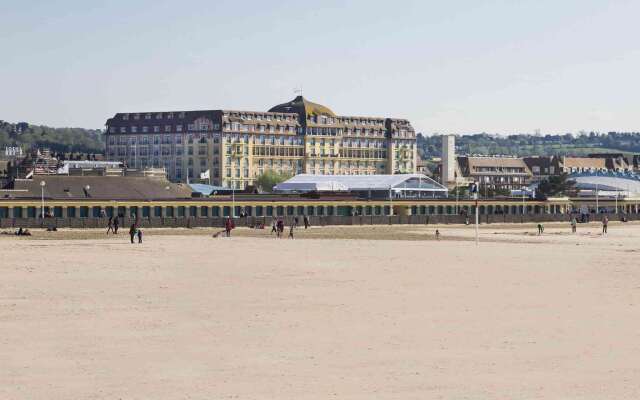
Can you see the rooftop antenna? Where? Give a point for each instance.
(298, 90)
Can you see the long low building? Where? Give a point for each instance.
(87, 200)
(403, 186)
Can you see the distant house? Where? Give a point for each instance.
(542, 167)
(505, 173)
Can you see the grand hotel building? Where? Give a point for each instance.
(237, 146)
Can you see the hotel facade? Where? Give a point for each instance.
(232, 148)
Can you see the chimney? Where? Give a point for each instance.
(448, 160)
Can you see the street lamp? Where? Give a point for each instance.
(233, 200)
(42, 185)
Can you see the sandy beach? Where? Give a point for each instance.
(346, 313)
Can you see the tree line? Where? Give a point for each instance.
(527, 144)
(57, 139)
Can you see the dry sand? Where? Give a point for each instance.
(191, 317)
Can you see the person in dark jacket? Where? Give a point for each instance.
(132, 232)
(306, 222)
(116, 225)
(228, 226)
(110, 225)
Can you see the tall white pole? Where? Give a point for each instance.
(456, 195)
(42, 183)
(42, 197)
(390, 202)
(597, 204)
(475, 196)
(233, 200)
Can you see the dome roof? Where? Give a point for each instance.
(302, 106)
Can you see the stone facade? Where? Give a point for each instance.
(232, 148)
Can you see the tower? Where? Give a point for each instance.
(448, 160)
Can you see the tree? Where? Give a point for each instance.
(554, 186)
(269, 178)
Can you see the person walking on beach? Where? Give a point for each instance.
(132, 232)
(573, 225)
(540, 229)
(605, 223)
(139, 235)
(273, 226)
(291, 231)
(305, 220)
(228, 226)
(116, 224)
(110, 225)
(437, 234)
(280, 228)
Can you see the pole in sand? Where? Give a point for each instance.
(473, 189)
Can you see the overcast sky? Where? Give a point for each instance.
(448, 66)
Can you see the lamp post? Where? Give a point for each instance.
(233, 200)
(42, 185)
(474, 190)
(597, 203)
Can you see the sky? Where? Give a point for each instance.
(447, 66)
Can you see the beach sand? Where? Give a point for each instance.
(346, 312)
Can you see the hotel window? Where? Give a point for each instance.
(178, 128)
(158, 116)
(156, 139)
(136, 116)
(123, 129)
(125, 117)
(170, 116)
(145, 129)
(147, 116)
(156, 128)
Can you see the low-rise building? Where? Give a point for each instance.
(401, 186)
(504, 173)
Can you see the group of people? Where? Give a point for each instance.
(277, 226)
(113, 225)
(135, 232)
(605, 225)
